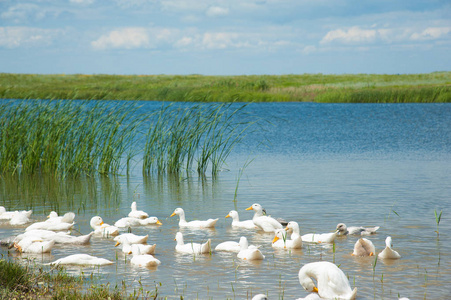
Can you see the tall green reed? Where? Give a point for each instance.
(202, 134)
(65, 137)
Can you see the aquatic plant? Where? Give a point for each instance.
(65, 137)
(205, 134)
(438, 217)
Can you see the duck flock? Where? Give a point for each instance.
(322, 279)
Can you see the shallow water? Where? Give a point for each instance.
(317, 164)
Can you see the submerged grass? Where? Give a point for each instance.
(430, 87)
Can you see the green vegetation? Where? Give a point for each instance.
(65, 137)
(431, 87)
(86, 137)
(30, 281)
(438, 217)
(200, 133)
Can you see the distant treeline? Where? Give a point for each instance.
(352, 88)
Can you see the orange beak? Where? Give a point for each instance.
(249, 208)
(276, 238)
(315, 289)
(173, 214)
(159, 223)
(228, 216)
(117, 244)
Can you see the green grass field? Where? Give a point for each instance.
(352, 88)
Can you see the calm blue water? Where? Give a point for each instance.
(317, 164)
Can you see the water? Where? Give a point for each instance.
(317, 164)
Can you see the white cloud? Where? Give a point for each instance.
(22, 12)
(15, 37)
(357, 36)
(309, 49)
(216, 11)
(431, 33)
(126, 38)
(137, 38)
(352, 35)
(82, 2)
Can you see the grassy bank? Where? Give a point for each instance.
(27, 280)
(431, 87)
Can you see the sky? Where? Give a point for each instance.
(225, 37)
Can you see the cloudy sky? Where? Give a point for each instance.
(225, 37)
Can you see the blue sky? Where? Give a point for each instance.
(224, 37)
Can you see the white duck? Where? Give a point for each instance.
(82, 260)
(192, 248)
(135, 213)
(359, 230)
(281, 240)
(231, 246)
(103, 228)
(38, 233)
(58, 237)
(364, 247)
(210, 223)
(388, 252)
(130, 222)
(20, 217)
(332, 282)
(142, 259)
(248, 253)
(7, 215)
(53, 226)
(310, 237)
(35, 245)
(260, 297)
(266, 223)
(131, 238)
(248, 224)
(53, 217)
(127, 248)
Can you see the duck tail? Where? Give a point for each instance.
(353, 294)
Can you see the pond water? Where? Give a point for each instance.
(316, 164)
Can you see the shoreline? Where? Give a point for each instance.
(349, 88)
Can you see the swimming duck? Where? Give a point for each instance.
(281, 240)
(231, 246)
(7, 215)
(364, 247)
(53, 226)
(310, 237)
(388, 252)
(82, 260)
(135, 213)
(266, 223)
(344, 230)
(248, 253)
(130, 222)
(53, 217)
(104, 229)
(20, 217)
(210, 223)
(142, 259)
(131, 238)
(192, 248)
(332, 282)
(35, 245)
(127, 248)
(260, 297)
(248, 224)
